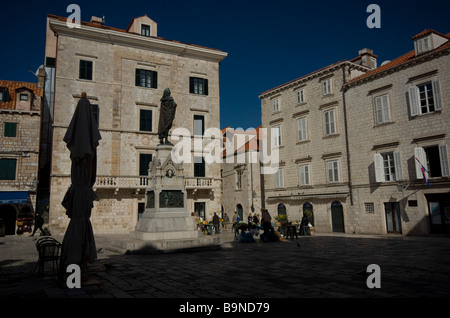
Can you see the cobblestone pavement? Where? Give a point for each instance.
(319, 266)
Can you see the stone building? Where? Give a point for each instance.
(20, 120)
(399, 115)
(308, 125)
(243, 186)
(124, 73)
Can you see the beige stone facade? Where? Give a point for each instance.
(20, 120)
(307, 121)
(353, 137)
(243, 186)
(387, 133)
(124, 74)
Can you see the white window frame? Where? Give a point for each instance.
(388, 166)
(415, 105)
(276, 135)
(279, 178)
(305, 175)
(302, 129)
(276, 105)
(330, 122)
(421, 156)
(382, 109)
(327, 86)
(423, 45)
(333, 166)
(301, 96)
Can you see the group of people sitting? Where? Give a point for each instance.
(246, 232)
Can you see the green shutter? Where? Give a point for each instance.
(205, 86)
(154, 79)
(8, 169)
(10, 130)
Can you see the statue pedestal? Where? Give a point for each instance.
(166, 217)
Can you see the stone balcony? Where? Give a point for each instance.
(141, 182)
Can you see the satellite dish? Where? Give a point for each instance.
(385, 62)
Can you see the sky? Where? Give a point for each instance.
(269, 43)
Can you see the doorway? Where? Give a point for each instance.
(337, 217)
(8, 216)
(200, 209)
(240, 212)
(393, 220)
(439, 213)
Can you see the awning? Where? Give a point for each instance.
(310, 196)
(13, 197)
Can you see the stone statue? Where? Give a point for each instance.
(166, 117)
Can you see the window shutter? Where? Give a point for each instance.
(379, 167)
(154, 80)
(378, 110)
(414, 100)
(386, 108)
(205, 86)
(138, 77)
(437, 95)
(420, 154)
(444, 160)
(398, 166)
(191, 85)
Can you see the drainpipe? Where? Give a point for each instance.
(346, 136)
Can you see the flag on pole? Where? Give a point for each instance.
(422, 168)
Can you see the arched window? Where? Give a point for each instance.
(308, 211)
(240, 212)
(281, 209)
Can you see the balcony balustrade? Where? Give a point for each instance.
(141, 182)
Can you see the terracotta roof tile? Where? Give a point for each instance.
(12, 86)
(401, 60)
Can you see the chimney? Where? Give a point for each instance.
(368, 58)
(41, 77)
(96, 20)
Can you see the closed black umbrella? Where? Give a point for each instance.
(82, 138)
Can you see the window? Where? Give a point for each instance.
(301, 96)
(145, 30)
(85, 70)
(382, 109)
(330, 122)
(333, 171)
(279, 178)
(369, 207)
(434, 159)
(302, 129)
(199, 125)
(387, 166)
(276, 135)
(425, 98)
(145, 120)
(304, 175)
(423, 45)
(144, 161)
(238, 179)
(10, 130)
(146, 78)
(276, 105)
(327, 86)
(198, 86)
(199, 167)
(8, 169)
(96, 113)
(4, 95)
(24, 97)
